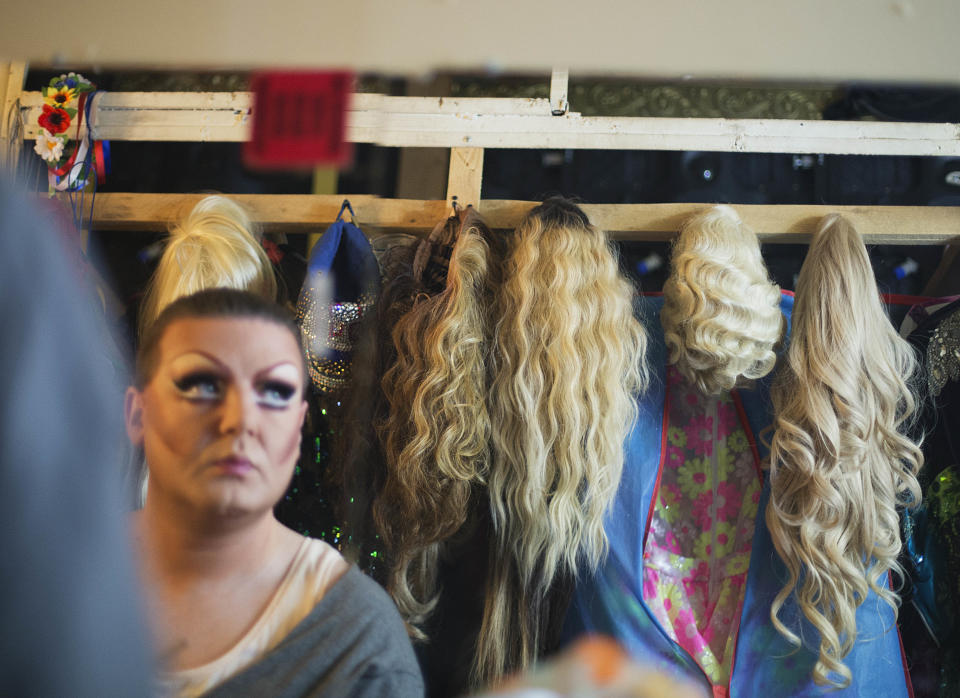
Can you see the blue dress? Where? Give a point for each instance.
(758, 659)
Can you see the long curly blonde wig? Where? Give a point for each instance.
(839, 464)
(214, 245)
(567, 365)
(437, 433)
(721, 313)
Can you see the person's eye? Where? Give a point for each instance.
(200, 386)
(274, 393)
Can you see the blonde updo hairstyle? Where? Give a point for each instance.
(216, 245)
(721, 313)
(840, 465)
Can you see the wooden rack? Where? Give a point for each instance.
(467, 126)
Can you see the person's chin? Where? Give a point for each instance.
(231, 499)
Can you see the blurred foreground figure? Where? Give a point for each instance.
(70, 618)
(594, 667)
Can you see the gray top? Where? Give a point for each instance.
(353, 643)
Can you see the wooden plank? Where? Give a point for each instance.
(654, 133)
(226, 116)
(532, 106)
(559, 80)
(296, 213)
(291, 213)
(509, 123)
(466, 176)
(12, 76)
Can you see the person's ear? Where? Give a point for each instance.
(133, 415)
(303, 412)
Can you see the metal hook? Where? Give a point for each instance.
(346, 205)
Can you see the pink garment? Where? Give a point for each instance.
(699, 541)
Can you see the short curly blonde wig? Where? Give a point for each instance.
(721, 313)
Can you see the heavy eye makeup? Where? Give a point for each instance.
(279, 386)
(276, 393)
(199, 385)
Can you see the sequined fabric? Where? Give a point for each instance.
(329, 332)
(943, 354)
(340, 289)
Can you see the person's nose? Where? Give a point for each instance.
(239, 412)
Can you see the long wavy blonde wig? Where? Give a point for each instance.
(839, 464)
(567, 366)
(436, 436)
(215, 245)
(721, 313)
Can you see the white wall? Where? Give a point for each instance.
(804, 40)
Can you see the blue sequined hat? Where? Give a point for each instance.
(341, 286)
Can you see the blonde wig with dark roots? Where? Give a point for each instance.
(721, 313)
(215, 245)
(437, 433)
(567, 366)
(839, 464)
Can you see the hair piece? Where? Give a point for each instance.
(214, 246)
(436, 434)
(357, 466)
(721, 313)
(839, 464)
(567, 365)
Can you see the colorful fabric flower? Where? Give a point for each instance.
(737, 565)
(718, 542)
(693, 478)
(726, 418)
(70, 80)
(695, 584)
(688, 636)
(676, 437)
(726, 462)
(674, 457)
(49, 147)
(700, 435)
(59, 97)
(54, 120)
(738, 441)
(729, 501)
(701, 510)
(668, 506)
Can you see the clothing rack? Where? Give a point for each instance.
(468, 125)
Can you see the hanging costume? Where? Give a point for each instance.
(930, 618)
(691, 572)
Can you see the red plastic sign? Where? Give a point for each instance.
(299, 119)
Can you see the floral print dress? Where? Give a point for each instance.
(701, 529)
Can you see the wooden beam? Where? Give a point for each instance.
(559, 80)
(291, 213)
(466, 176)
(12, 77)
(303, 213)
(506, 123)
